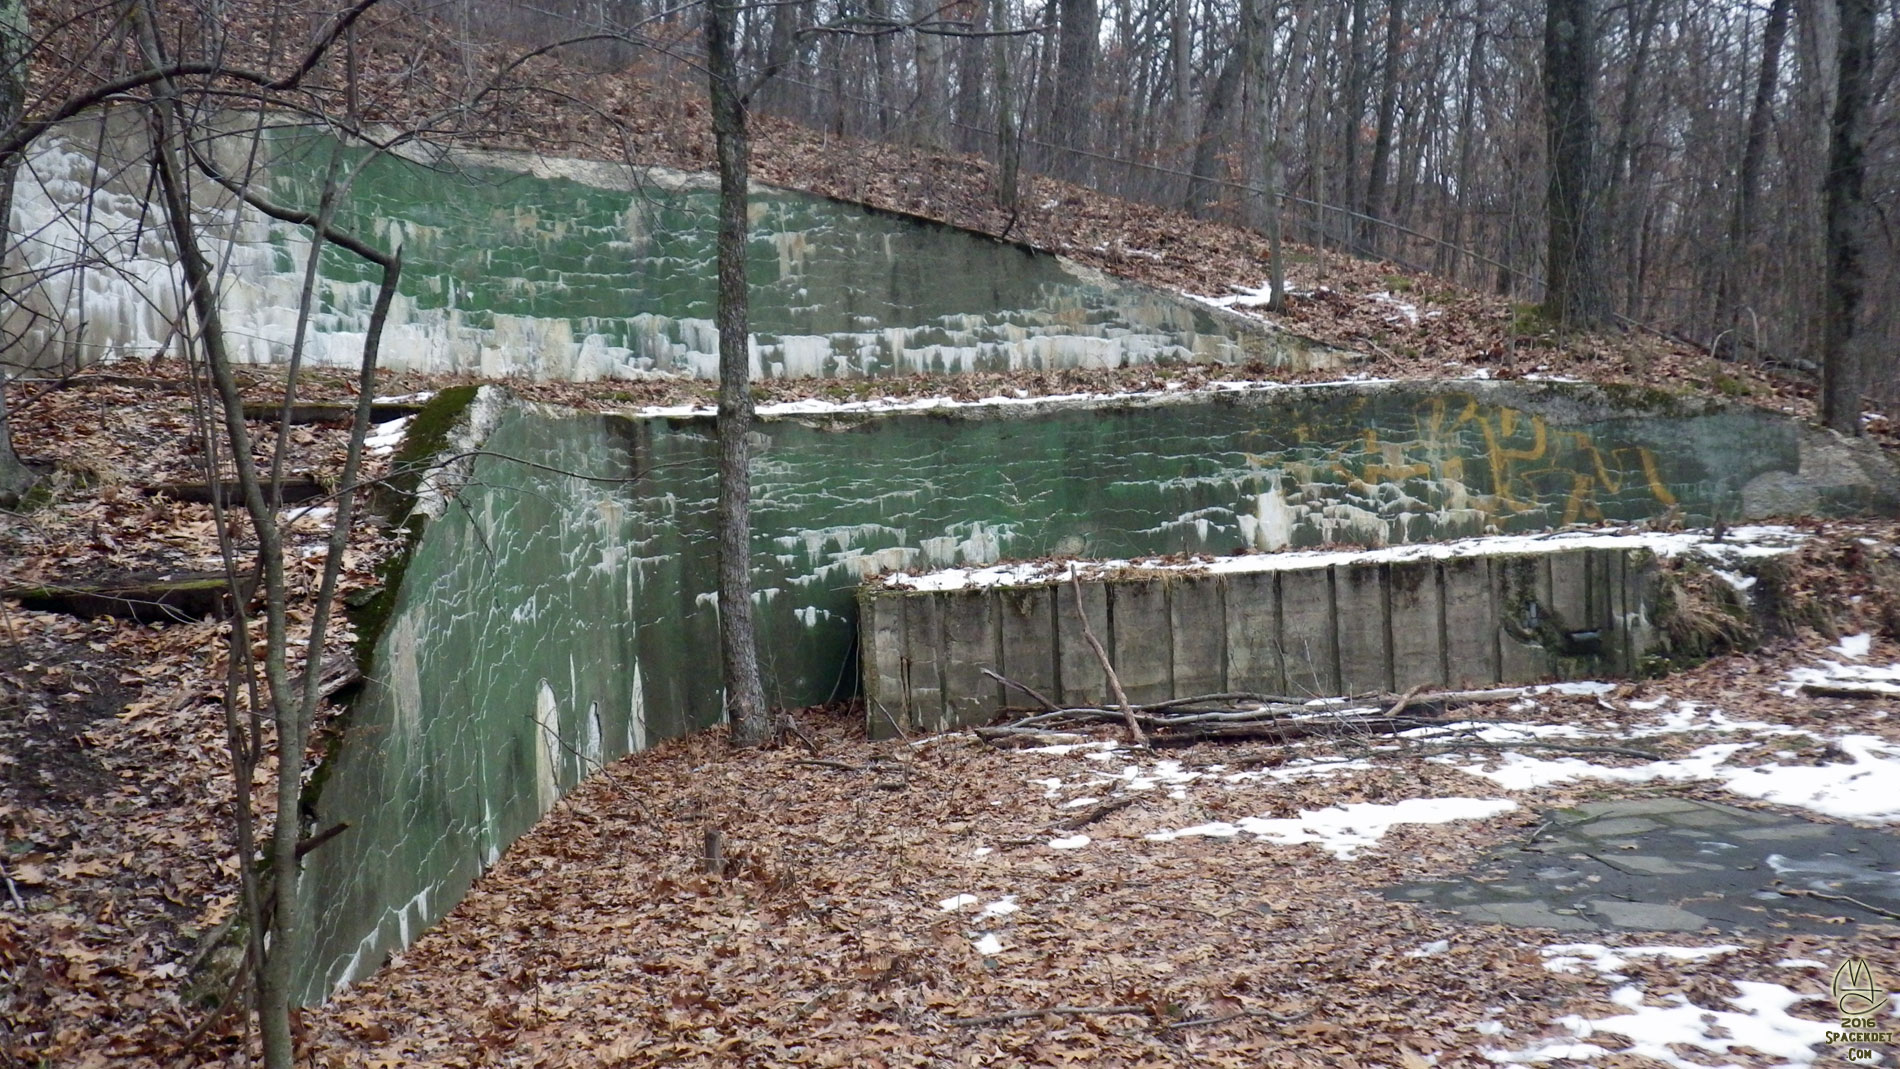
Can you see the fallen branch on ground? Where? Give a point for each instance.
(1135, 734)
(1802, 892)
(1238, 716)
(1083, 820)
(1046, 1011)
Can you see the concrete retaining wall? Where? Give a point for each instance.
(1293, 624)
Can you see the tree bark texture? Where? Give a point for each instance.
(1577, 295)
(16, 41)
(738, 647)
(1843, 377)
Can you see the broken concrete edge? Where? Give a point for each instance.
(428, 468)
(1478, 613)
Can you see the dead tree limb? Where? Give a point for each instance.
(1026, 689)
(1095, 813)
(1135, 734)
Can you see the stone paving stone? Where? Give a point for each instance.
(1672, 865)
(1648, 916)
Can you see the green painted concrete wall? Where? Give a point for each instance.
(519, 265)
(548, 622)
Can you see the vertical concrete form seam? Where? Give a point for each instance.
(1338, 682)
(906, 711)
(1444, 624)
(1226, 651)
(1391, 647)
(1167, 613)
(1284, 684)
(993, 610)
(1054, 593)
(942, 657)
(1491, 567)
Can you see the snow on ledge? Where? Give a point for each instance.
(812, 406)
(1762, 541)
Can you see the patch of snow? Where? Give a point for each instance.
(1858, 790)
(1610, 961)
(1752, 541)
(989, 946)
(387, 436)
(1801, 963)
(1405, 309)
(1760, 1022)
(1344, 830)
(956, 902)
(812, 406)
(1002, 907)
(1853, 647)
(1872, 680)
(1585, 687)
(1430, 950)
(1077, 803)
(1861, 790)
(1073, 842)
(983, 851)
(1522, 772)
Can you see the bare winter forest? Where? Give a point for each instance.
(1412, 130)
(1698, 195)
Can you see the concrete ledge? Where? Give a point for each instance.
(1468, 614)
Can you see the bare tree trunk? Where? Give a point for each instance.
(1256, 111)
(1204, 188)
(1577, 294)
(1375, 203)
(1748, 191)
(1273, 135)
(971, 56)
(1843, 364)
(15, 44)
(1009, 123)
(1352, 109)
(738, 647)
(1181, 65)
(1462, 203)
(1078, 39)
(931, 99)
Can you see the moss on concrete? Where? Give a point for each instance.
(426, 438)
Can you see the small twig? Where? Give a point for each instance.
(1047, 1011)
(1135, 734)
(790, 723)
(1025, 688)
(1802, 892)
(1283, 1018)
(1084, 819)
(842, 766)
(895, 726)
